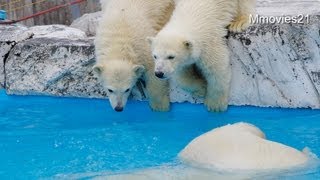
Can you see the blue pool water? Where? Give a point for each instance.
(45, 137)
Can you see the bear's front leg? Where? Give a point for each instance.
(216, 99)
(158, 92)
(217, 71)
(190, 80)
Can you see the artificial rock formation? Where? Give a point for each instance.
(87, 23)
(273, 65)
(9, 37)
(47, 66)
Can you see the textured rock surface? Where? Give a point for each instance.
(281, 66)
(14, 33)
(9, 36)
(87, 23)
(273, 65)
(288, 7)
(57, 31)
(4, 50)
(45, 66)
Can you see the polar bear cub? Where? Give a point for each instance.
(195, 35)
(240, 146)
(123, 54)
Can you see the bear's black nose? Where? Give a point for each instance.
(159, 74)
(118, 109)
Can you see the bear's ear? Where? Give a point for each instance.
(139, 70)
(150, 39)
(187, 44)
(97, 69)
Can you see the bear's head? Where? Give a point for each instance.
(118, 77)
(170, 53)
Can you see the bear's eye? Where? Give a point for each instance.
(110, 90)
(155, 57)
(127, 90)
(170, 57)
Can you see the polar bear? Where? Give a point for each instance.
(123, 54)
(241, 146)
(195, 35)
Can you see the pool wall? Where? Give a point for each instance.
(273, 65)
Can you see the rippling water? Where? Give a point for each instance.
(57, 137)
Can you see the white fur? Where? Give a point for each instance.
(240, 146)
(195, 35)
(123, 54)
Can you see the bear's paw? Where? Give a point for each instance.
(162, 105)
(216, 105)
(239, 24)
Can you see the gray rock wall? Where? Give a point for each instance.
(9, 37)
(4, 50)
(273, 65)
(88, 23)
(47, 66)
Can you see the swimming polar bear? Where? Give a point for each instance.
(240, 146)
